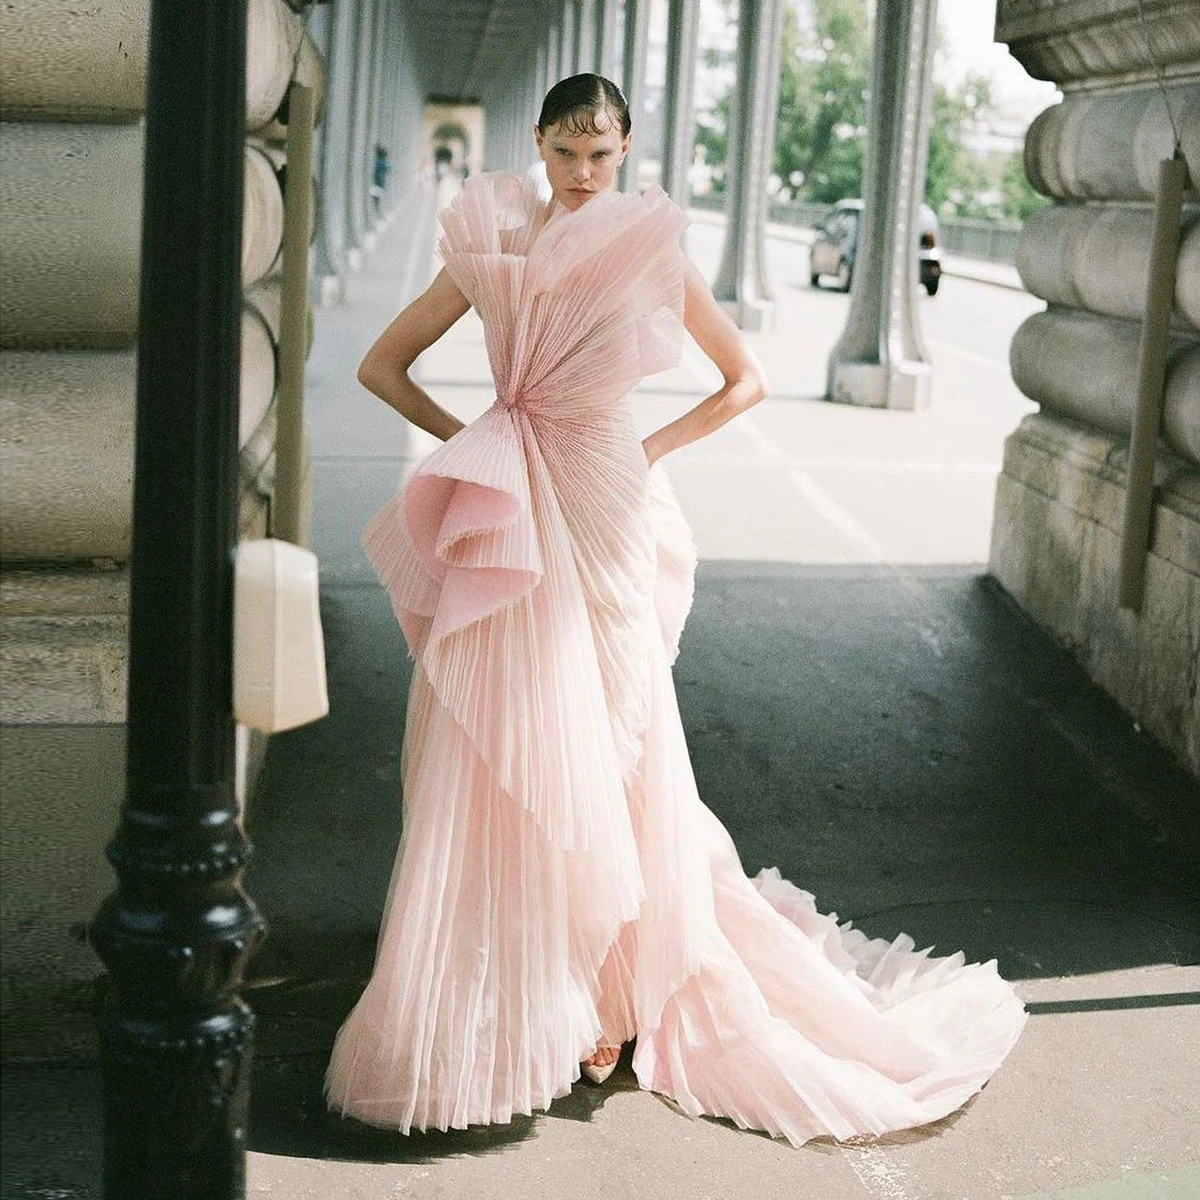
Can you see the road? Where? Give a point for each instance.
(822, 483)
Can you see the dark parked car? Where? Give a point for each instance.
(836, 244)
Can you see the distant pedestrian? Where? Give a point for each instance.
(379, 177)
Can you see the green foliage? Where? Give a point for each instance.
(1019, 197)
(820, 132)
(822, 117)
(953, 175)
(712, 132)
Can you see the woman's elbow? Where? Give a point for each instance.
(367, 373)
(374, 374)
(754, 386)
(762, 385)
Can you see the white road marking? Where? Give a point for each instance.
(880, 1175)
(836, 515)
(844, 522)
(850, 528)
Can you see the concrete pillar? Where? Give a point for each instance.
(318, 24)
(880, 360)
(570, 20)
(356, 176)
(633, 83)
(683, 27)
(334, 151)
(379, 44)
(585, 35)
(386, 89)
(73, 281)
(553, 55)
(502, 108)
(541, 78)
(606, 38)
(742, 285)
(529, 114)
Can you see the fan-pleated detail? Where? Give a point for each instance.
(559, 881)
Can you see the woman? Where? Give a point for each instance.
(560, 888)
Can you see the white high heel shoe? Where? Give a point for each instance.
(599, 1074)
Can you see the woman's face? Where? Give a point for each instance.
(578, 165)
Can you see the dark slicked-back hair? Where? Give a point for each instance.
(575, 103)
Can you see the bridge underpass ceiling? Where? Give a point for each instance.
(469, 49)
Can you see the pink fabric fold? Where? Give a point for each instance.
(559, 881)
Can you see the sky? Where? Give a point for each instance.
(968, 27)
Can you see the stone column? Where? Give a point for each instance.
(606, 38)
(406, 139)
(497, 134)
(331, 265)
(633, 83)
(742, 285)
(529, 114)
(553, 55)
(539, 76)
(1061, 496)
(567, 50)
(380, 45)
(683, 26)
(585, 34)
(357, 139)
(880, 360)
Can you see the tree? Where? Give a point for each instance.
(1020, 200)
(712, 132)
(821, 124)
(951, 174)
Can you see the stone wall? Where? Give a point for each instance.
(71, 144)
(1060, 497)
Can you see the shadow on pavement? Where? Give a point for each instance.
(903, 743)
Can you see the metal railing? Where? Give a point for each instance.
(995, 241)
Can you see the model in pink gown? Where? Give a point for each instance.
(559, 883)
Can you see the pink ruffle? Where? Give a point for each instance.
(559, 881)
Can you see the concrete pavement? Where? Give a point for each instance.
(864, 709)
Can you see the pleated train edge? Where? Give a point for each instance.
(559, 882)
(502, 961)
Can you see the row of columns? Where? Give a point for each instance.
(372, 98)
(880, 359)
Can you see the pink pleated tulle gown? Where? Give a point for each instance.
(559, 883)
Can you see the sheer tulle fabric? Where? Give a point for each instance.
(559, 882)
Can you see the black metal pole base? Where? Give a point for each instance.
(176, 1101)
(175, 1038)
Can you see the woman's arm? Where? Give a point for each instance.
(384, 370)
(716, 334)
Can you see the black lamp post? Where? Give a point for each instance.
(176, 935)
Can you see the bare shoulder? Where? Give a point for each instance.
(420, 324)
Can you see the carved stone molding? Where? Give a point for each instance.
(1101, 43)
(1096, 257)
(1108, 147)
(1086, 367)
